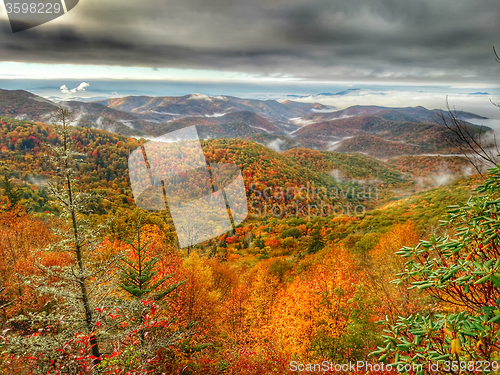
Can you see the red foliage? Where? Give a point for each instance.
(232, 239)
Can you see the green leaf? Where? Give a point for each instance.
(483, 279)
(496, 281)
(425, 286)
(495, 319)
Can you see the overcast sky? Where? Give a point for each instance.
(386, 41)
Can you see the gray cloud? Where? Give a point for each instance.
(423, 40)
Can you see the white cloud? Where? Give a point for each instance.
(276, 145)
(200, 97)
(337, 175)
(80, 87)
(64, 89)
(299, 121)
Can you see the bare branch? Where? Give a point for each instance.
(497, 58)
(473, 145)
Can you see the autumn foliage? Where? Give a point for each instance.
(272, 291)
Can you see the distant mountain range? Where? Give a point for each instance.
(163, 109)
(141, 115)
(345, 92)
(381, 132)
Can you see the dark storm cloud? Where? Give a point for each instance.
(421, 40)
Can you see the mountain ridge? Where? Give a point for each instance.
(380, 131)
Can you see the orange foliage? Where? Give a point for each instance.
(23, 239)
(394, 300)
(272, 242)
(320, 303)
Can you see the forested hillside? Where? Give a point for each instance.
(23, 146)
(305, 287)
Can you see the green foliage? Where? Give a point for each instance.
(463, 272)
(292, 232)
(259, 242)
(360, 332)
(316, 243)
(460, 337)
(349, 166)
(367, 243)
(129, 360)
(138, 277)
(288, 242)
(138, 270)
(12, 193)
(279, 267)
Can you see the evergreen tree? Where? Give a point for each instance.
(73, 204)
(12, 193)
(316, 243)
(77, 289)
(138, 272)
